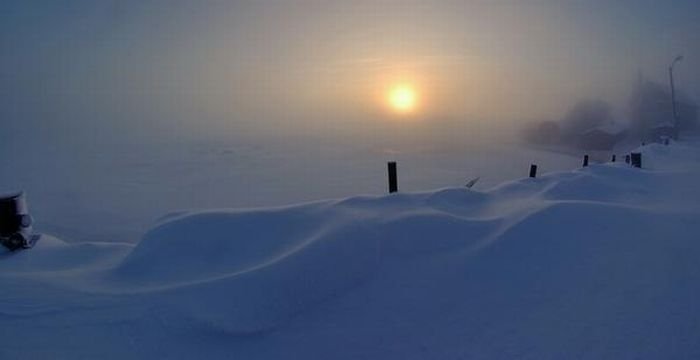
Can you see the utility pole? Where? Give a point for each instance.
(673, 95)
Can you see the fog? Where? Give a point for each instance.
(203, 68)
(124, 97)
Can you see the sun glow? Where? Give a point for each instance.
(402, 99)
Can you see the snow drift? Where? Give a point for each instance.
(599, 262)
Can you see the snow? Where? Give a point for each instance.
(598, 263)
(115, 191)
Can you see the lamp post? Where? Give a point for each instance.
(673, 94)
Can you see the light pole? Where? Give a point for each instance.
(673, 94)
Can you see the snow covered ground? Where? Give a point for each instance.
(114, 190)
(599, 262)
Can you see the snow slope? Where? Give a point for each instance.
(600, 262)
(114, 191)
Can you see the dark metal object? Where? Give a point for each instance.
(673, 95)
(472, 182)
(585, 160)
(16, 223)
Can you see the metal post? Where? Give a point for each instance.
(673, 95)
(613, 158)
(585, 160)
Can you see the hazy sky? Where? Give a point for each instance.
(272, 66)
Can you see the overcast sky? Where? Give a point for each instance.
(159, 66)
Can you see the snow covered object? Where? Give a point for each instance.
(16, 223)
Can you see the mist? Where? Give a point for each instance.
(107, 102)
(153, 68)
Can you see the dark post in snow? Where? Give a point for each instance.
(627, 158)
(636, 159)
(585, 160)
(393, 178)
(533, 170)
(613, 158)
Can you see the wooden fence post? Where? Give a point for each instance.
(533, 170)
(636, 159)
(393, 177)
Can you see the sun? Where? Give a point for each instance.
(402, 98)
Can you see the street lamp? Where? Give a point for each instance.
(673, 94)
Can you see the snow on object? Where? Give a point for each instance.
(16, 223)
(599, 262)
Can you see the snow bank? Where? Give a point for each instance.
(599, 262)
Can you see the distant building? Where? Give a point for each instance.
(543, 133)
(651, 112)
(661, 131)
(687, 114)
(588, 125)
(601, 137)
